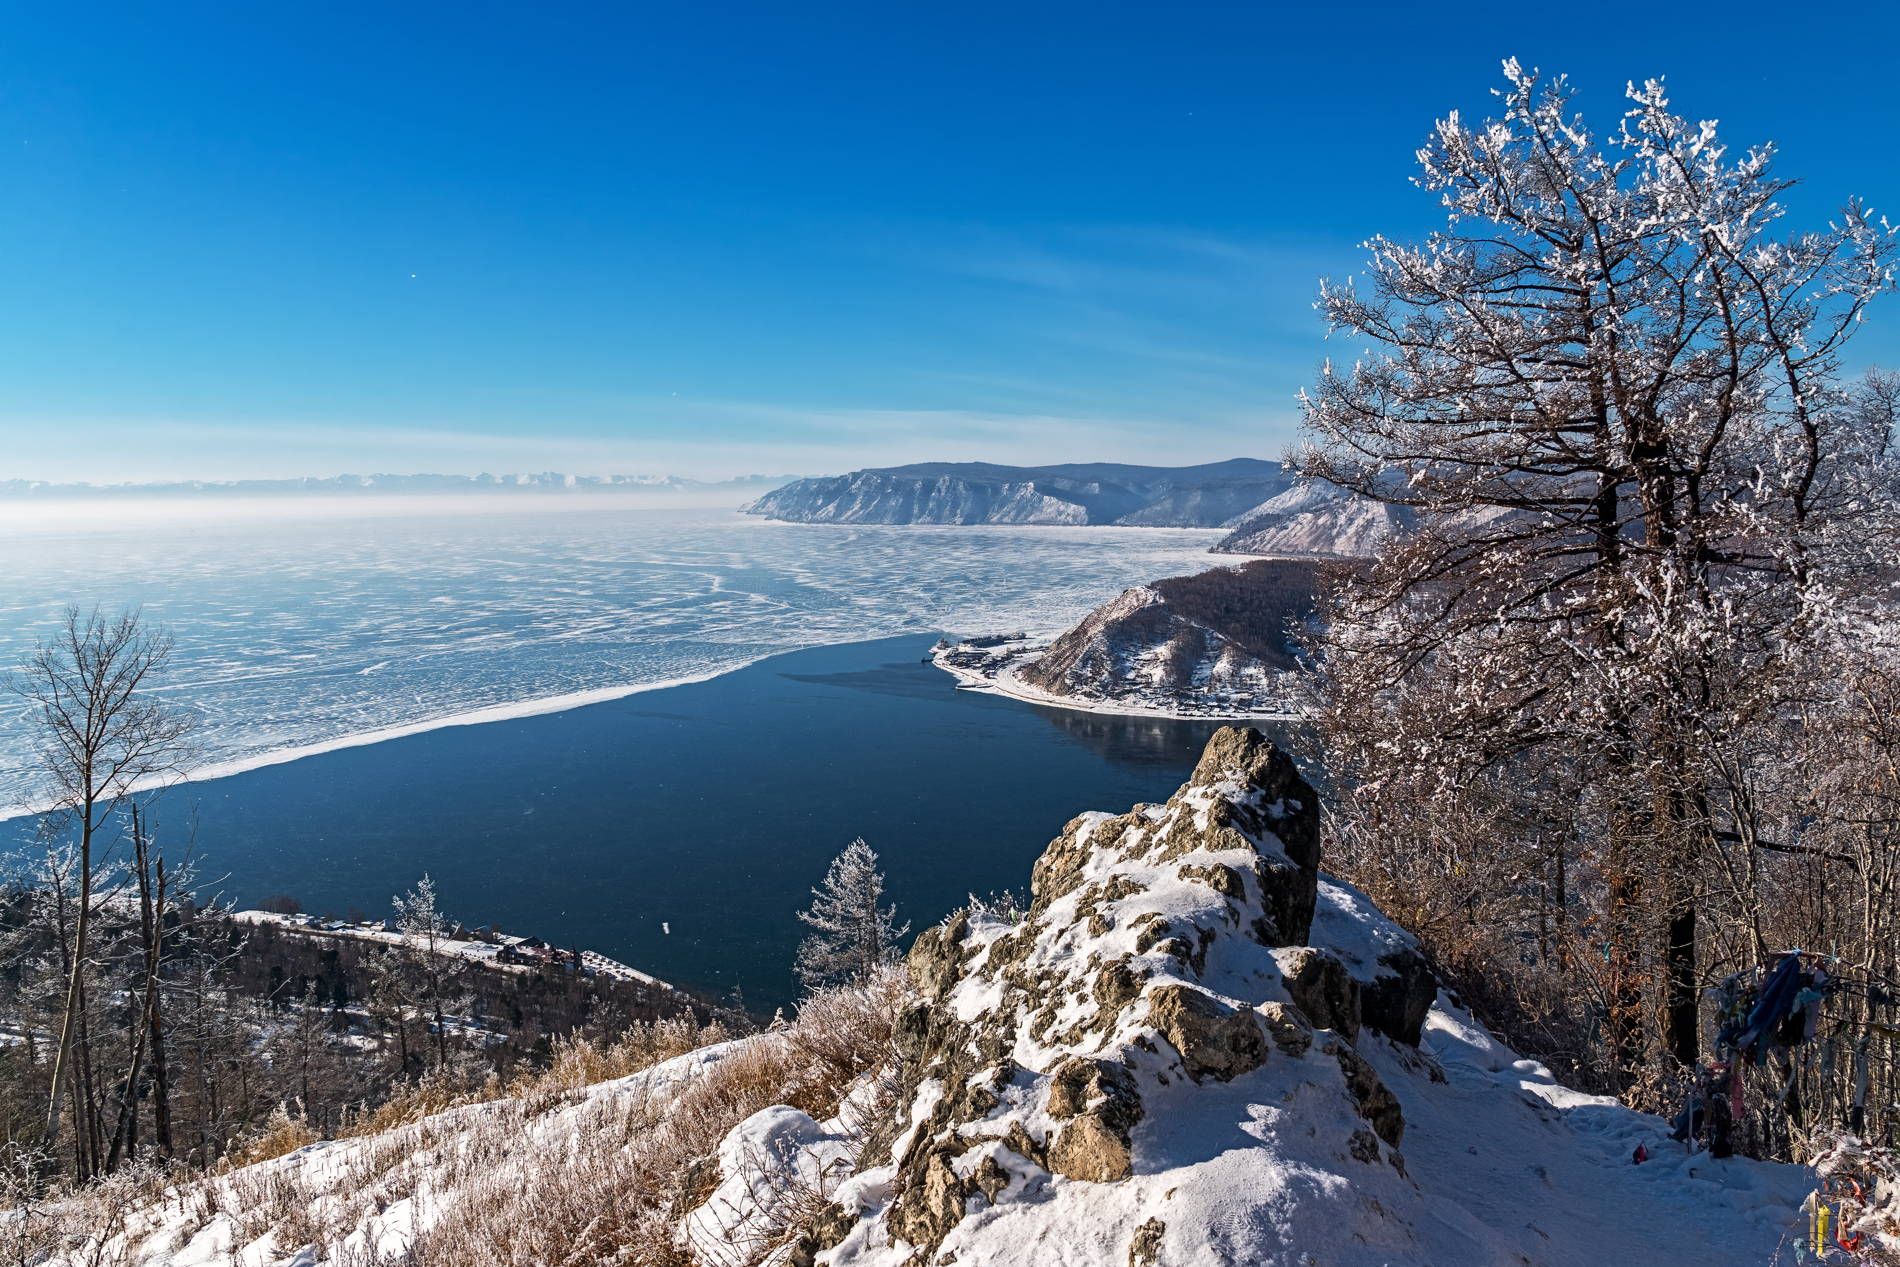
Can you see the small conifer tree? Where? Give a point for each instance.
(852, 932)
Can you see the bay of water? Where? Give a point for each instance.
(679, 828)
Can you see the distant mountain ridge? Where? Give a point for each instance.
(541, 481)
(1083, 493)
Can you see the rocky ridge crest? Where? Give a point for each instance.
(1161, 971)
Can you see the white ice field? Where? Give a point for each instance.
(307, 625)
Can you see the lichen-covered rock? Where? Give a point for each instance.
(1145, 1249)
(1376, 1103)
(1285, 805)
(1100, 1107)
(934, 957)
(1290, 1031)
(1079, 1084)
(1087, 1148)
(826, 1230)
(933, 1204)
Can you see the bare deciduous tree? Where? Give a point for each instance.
(103, 736)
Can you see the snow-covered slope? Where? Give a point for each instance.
(1193, 1049)
(1187, 642)
(1315, 518)
(374, 1199)
(983, 493)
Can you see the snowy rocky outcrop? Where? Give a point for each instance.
(1160, 981)
(1195, 1049)
(1316, 518)
(884, 497)
(1216, 639)
(984, 493)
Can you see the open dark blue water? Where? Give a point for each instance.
(710, 809)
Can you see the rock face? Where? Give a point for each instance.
(1112, 1041)
(983, 493)
(1316, 519)
(1221, 637)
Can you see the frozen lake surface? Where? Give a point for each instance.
(305, 626)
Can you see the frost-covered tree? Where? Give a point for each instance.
(853, 933)
(1611, 389)
(436, 975)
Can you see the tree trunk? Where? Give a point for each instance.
(125, 1129)
(86, 1098)
(1624, 984)
(63, 1057)
(1682, 1010)
(161, 1078)
(145, 1022)
(1679, 857)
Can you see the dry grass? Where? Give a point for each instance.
(616, 1192)
(549, 1173)
(285, 1132)
(577, 1063)
(94, 1228)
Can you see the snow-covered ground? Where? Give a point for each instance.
(1234, 1031)
(374, 1195)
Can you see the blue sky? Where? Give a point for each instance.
(296, 239)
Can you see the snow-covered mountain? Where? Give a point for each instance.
(1180, 643)
(1316, 518)
(1205, 496)
(1192, 1048)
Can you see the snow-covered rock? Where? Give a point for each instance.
(1194, 1049)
